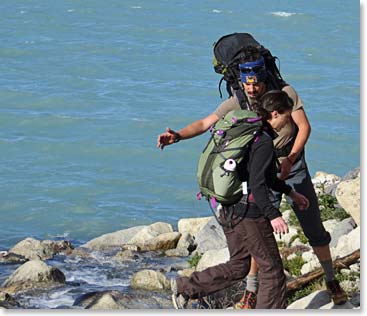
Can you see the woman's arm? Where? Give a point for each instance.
(304, 130)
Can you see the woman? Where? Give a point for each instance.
(251, 235)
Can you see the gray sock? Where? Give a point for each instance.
(252, 283)
(328, 269)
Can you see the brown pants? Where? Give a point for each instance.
(250, 237)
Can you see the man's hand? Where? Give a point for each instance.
(167, 138)
(300, 200)
(279, 225)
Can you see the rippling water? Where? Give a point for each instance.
(86, 86)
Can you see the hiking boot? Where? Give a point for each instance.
(336, 292)
(248, 301)
(179, 302)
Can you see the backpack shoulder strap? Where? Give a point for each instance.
(242, 99)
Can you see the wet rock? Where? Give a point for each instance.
(32, 248)
(150, 280)
(7, 301)
(11, 258)
(151, 232)
(178, 252)
(112, 240)
(108, 300)
(31, 275)
(81, 252)
(126, 255)
(163, 241)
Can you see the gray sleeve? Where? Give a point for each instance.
(298, 103)
(226, 106)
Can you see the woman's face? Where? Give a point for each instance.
(278, 121)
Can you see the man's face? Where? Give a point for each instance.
(254, 90)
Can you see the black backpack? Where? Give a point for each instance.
(227, 54)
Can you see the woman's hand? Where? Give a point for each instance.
(300, 200)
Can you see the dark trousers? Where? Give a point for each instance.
(249, 237)
(300, 180)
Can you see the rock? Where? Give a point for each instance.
(310, 266)
(330, 225)
(112, 299)
(33, 274)
(192, 225)
(81, 252)
(213, 257)
(103, 300)
(186, 272)
(211, 236)
(11, 258)
(355, 173)
(32, 248)
(178, 252)
(186, 242)
(323, 180)
(150, 232)
(309, 256)
(150, 280)
(318, 300)
(162, 242)
(286, 238)
(126, 255)
(112, 240)
(347, 244)
(348, 196)
(340, 229)
(7, 301)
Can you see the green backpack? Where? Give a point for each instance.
(230, 138)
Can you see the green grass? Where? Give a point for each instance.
(194, 260)
(294, 265)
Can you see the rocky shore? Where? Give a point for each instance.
(131, 268)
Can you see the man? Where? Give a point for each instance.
(290, 145)
(249, 223)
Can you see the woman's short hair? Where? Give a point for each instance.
(273, 100)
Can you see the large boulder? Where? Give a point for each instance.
(113, 240)
(347, 244)
(213, 257)
(31, 275)
(349, 197)
(150, 280)
(211, 236)
(11, 258)
(31, 248)
(317, 300)
(340, 229)
(192, 225)
(150, 232)
(163, 241)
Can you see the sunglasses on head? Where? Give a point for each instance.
(255, 69)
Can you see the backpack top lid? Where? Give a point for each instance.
(228, 47)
